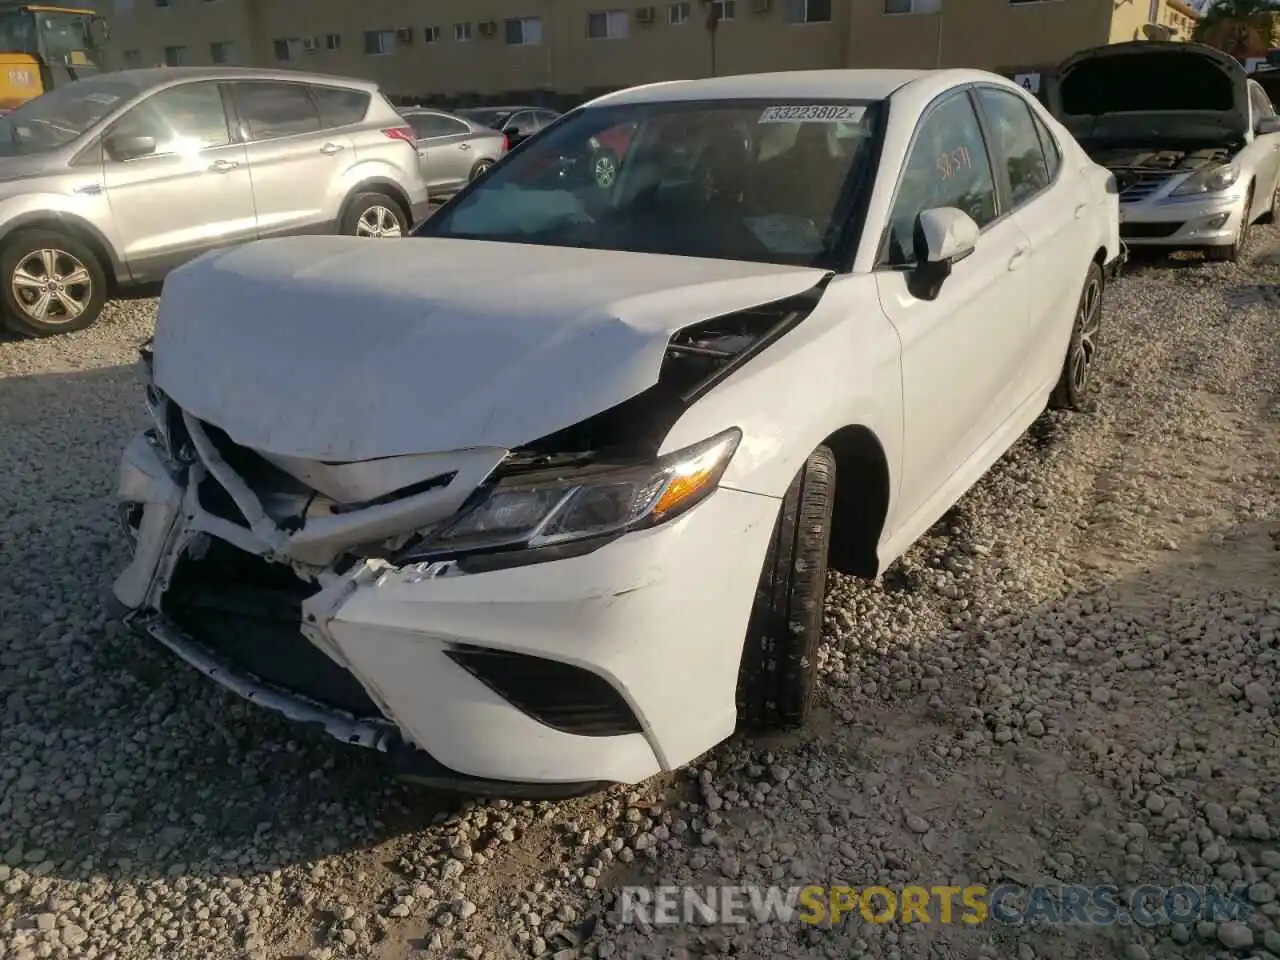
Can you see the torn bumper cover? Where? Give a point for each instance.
(590, 667)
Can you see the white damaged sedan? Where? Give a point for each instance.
(544, 497)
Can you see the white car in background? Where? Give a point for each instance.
(573, 528)
(1193, 142)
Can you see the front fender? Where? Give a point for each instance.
(88, 214)
(840, 367)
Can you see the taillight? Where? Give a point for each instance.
(401, 133)
(506, 143)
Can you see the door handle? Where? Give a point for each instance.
(1019, 255)
(90, 188)
(464, 146)
(1080, 210)
(224, 166)
(330, 148)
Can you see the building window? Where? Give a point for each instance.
(462, 31)
(285, 49)
(175, 56)
(524, 31)
(379, 43)
(162, 3)
(607, 25)
(678, 13)
(333, 41)
(917, 6)
(222, 52)
(431, 35)
(808, 11)
(725, 9)
(132, 58)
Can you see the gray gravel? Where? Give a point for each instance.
(1072, 677)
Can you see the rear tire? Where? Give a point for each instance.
(53, 283)
(374, 214)
(480, 169)
(604, 168)
(1077, 369)
(779, 659)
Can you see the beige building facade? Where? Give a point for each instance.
(491, 48)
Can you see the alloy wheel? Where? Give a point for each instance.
(1089, 322)
(51, 286)
(378, 221)
(606, 171)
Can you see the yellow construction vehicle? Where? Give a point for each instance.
(43, 46)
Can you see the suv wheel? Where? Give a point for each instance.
(53, 283)
(374, 215)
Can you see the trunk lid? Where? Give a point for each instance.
(344, 349)
(1151, 91)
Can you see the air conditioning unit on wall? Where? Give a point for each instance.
(310, 45)
(644, 14)
(488, 28)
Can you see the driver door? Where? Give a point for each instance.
(192, 194)
(961, 352)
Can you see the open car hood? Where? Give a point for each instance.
(1150, 90)
(346, 349)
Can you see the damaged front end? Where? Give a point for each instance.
(245, 559)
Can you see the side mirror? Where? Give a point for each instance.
(943, 237)
(1267, 125)
(125, 147)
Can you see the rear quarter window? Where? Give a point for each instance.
(340, 106)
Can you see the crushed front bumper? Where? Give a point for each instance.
(540, 680)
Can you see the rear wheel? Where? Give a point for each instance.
(374, 215)
(53, 283)
(779, 660)
(480, 169)
(1077, 369)
(1235, 251)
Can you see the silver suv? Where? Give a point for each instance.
(115, 180)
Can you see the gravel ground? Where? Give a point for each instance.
(1072, 678)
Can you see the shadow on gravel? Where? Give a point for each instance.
(1076, 741)
(120, 762)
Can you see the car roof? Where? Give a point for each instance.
(792, 84)
(148, 77)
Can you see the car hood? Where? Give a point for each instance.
(345, 349)
(1151, 90)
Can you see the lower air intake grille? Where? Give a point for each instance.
(1138, 230)
(248, 613)
(560, 695)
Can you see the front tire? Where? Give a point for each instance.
(604, 168)
(779, 660)
(374, 215)
(53, 283)
(1273, 212)
(1077, 370)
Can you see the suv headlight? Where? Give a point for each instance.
(1213, 180)
(531, 513)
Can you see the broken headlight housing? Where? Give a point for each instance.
(531, 512)
(1212, 180)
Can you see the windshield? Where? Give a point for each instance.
(735, 180)
(56, 118)
(60, 38)
(486, 118)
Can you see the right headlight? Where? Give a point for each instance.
(1212, 180)
(532, 513)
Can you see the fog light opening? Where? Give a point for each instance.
(1217, 221)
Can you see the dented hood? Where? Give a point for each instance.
(344, 348)
(1151, 88)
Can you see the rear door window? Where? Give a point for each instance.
(429, 126)
(340, 107)
(1017, 142)
(269, 110)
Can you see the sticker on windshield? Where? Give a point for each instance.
(814, 113)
